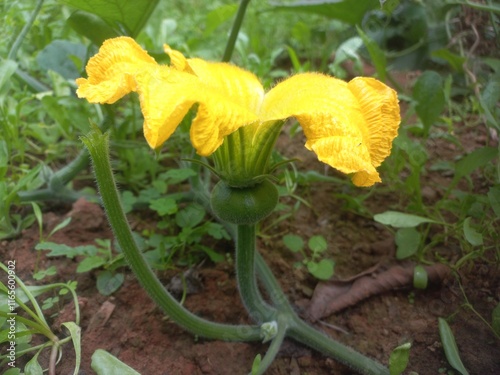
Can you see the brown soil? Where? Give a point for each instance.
(128, 325)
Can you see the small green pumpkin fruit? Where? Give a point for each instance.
(247, 205)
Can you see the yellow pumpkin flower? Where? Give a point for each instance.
(350, 126)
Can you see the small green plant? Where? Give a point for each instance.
(19, 322)
(320, 268)
(92, 257)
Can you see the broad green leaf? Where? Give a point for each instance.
(90, 263)
(420, 277)
(322, 270)
(376, 54)
(91, 26)
(12, 371)
(293, 242)
(104, 363)
(33, 367)
(317, 244)
(428, 92)
(57, 56)
(399, 359)
(350, 11)
(456, 61)
(218, 16)
(164, 206)
(494, 197)
(108, 282)
(126, 16)
(400, 219)
(407, 242)
(476, 159)
(75, 332)
(190, 216)
(472, 235)
(57, 250)
(7, 69)
(450, 347)
(174, 176)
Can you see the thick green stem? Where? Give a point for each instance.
(98, 146)
(258, 309)
(235, 30)
(308, 335)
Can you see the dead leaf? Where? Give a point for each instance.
(336, 295)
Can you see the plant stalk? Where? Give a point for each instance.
(228, 52)
(98, 146)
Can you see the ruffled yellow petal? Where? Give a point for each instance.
(177, 59)
(348, 155)
(166, 95)
(379, 105)
(331, 117)
(111, 72)
(238, 85)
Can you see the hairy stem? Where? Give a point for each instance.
(98, 146)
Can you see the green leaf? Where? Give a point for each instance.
(428, 92)
(322, 270)
(190, 216)
(90, 263)
(213, 255)
(420, 277)
(61, 225)
(495, 319)
(471, 235)
(450, 347)
(75, 332)
(350, 11)
(91, 26)
(57, 250)
(494, 198)
(33, 367)
(400, 219)
(104, 363)
(129, 17)
(376, 54)
(109, 282)
(293, 242)
(174, 176)
(256, 364)
(407, 242)
(12, 371)
(399, 359)
(7, 69)
(164, 206)
(218, 16)
(456, 61)
(476, 159)
(57, 56)
(317, 244)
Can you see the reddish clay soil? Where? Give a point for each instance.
(128, 325)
